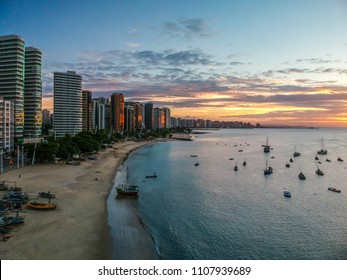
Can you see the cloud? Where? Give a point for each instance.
(186, 28)
(134, 45)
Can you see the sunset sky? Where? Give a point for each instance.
(272, 62)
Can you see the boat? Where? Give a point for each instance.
(287, 194)
(322, 151)
(244, 163)
(14, 220)
(4, 222)
(339, 159)
(231, 158)
(197, 164)
(152, 176)
(267, 146)
(328, 160)
(316, 158)
(268, 170)
(334, 189)
(291, 160)
(47, 194)
(296, 154)
(287, 165)
(236, 168)
(193, 155)
(3, 186)
(301, 175)
(318, 171)
(41, 206)
(124, 189)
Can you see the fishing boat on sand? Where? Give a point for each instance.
(47, 194)
(41, 206)
(124, 189)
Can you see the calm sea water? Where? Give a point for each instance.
(211, 211)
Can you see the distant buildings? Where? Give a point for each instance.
(6, 125)
(46, 116)
(67, 103)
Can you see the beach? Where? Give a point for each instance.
(77, 229)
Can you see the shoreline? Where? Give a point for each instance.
(78, 228)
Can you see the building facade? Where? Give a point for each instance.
(12, 79)
(33, 92)
(117, 112)
(46, 116)
(149, 116)
(6, 125)
(67, 91)
(87, 110)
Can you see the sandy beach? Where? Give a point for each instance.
(77, 229)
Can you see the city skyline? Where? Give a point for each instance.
(268, 63)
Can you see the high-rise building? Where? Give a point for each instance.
(67, 103)
(6, 125)
(129, 116)
(87, 109)
(149, 116)
(12, 79)
(33, 92)
(46, 116)
(167, 118)
(117, 112)
(159, 118)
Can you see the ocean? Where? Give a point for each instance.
(212, 212)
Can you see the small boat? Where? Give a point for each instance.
(14, 220)
(339, 159)
(41, 206)
(328, 160)
(291, 160)
(296, 154)
(244, 163)
(127, 189)
(334, 189)
(318, 171)
(267, 146)
(4, 222)
(268, 170)
(236, 168)
(152, 176)
(287, 165)
(47, 194)
(231, 158)
(322, 151)
(197, 164)
(287, 194)
(301, 175)
(193, 155)
(240, 151)
(316, 158)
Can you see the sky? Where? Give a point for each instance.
(269, 62)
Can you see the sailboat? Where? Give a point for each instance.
(322, 151)
(301, 175)
(318, 171)
(268, 170)
(296, 154)
(236, 168)
(267, 147)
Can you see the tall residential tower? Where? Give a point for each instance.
(12, 78)
(67, 103)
